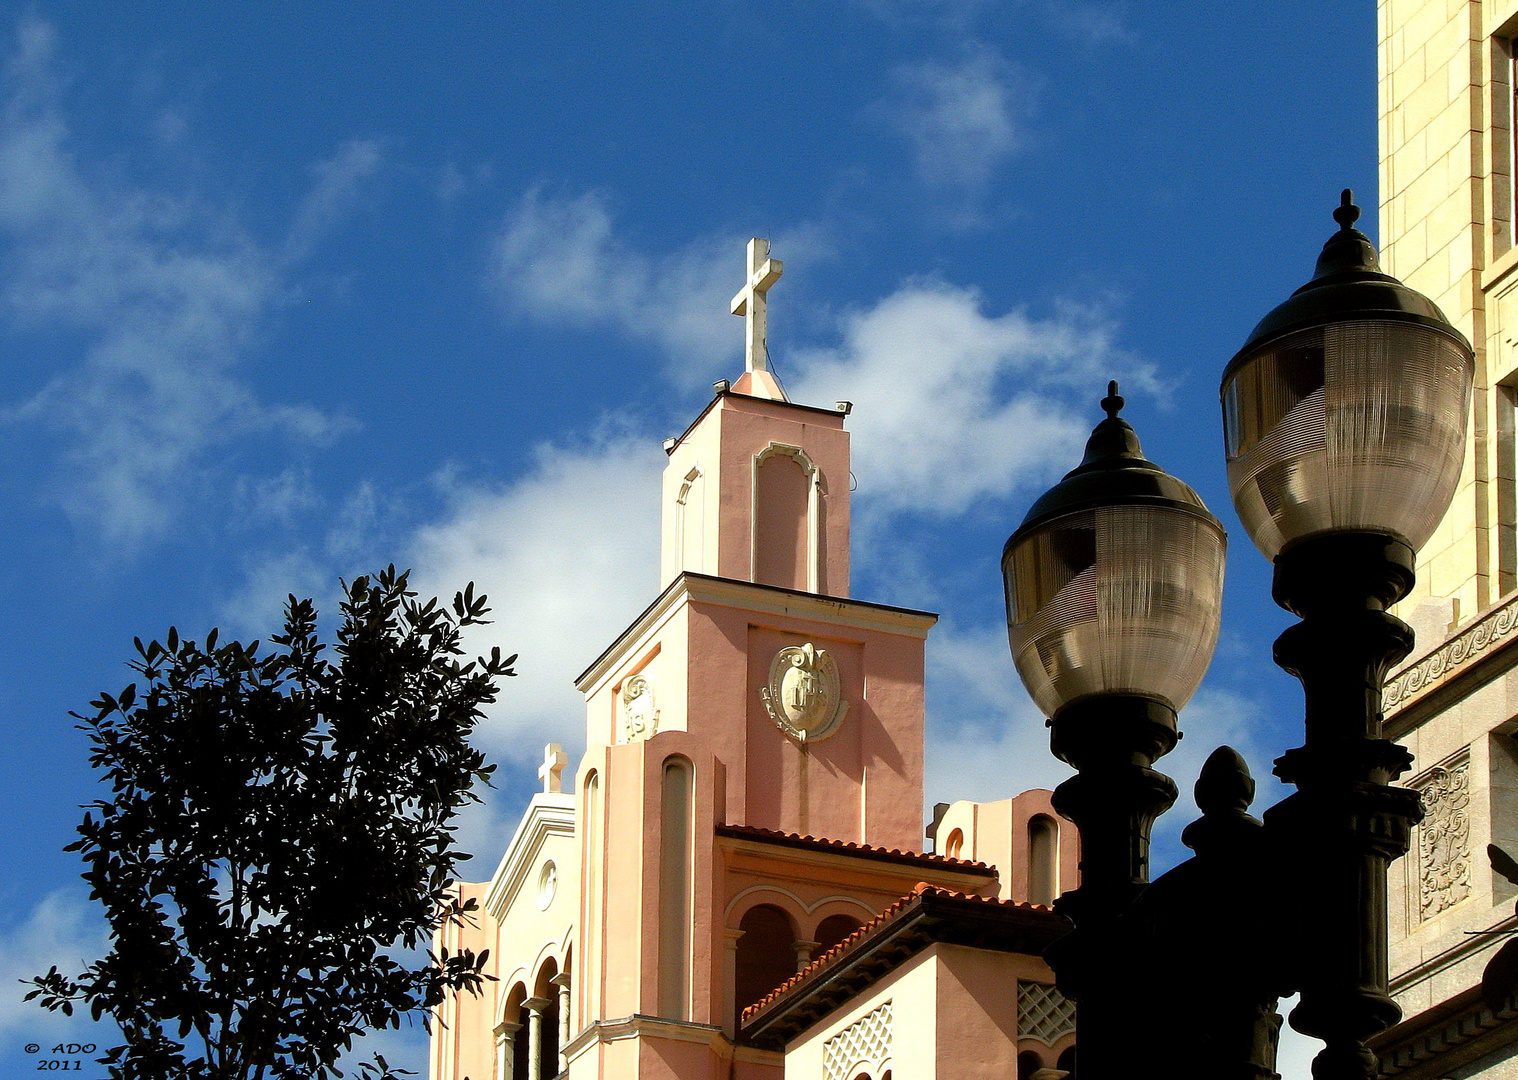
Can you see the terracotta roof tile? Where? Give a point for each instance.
(848, 847)
(826, 959)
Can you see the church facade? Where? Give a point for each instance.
(730, 883)
(1447, 86)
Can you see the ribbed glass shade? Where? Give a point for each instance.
(1356, 425)
(1115, 599)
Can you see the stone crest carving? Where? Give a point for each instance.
(803, 695)
(640, 716)
(1444, 837)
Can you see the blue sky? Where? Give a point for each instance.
(286, 295)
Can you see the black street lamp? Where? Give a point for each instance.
(1344, 420)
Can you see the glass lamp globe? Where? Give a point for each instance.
(1346, 409)
(1114, 580)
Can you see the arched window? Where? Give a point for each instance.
(1028, 1063)
(514, 1014)
(954, 844)
(782, 519)
(548, 1034)
(766, 953)
(832, 930)
(1043, 860)
(1067, 1061)
(674, 890)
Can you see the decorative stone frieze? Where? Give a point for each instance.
(863, 1046)
(1444, 837)
(1426, 673)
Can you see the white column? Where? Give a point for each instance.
(814, 531)
(505, 1050)
(562, 982)
(730, 982)
(804, 953)
(535, 1007)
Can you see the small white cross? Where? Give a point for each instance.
(751, 302)
(554, 760)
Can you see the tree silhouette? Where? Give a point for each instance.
(278, 837)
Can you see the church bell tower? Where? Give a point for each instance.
(752, 738)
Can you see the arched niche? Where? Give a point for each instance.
(675, 888)
(832, 931)
(787, 519)
(1043, 859)
(690, 522)
(766, 954)
(590, 875)
(954, 844)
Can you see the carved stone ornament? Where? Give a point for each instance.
(640, 718)
(1424, 674)
(802, 696)
(1444, 837)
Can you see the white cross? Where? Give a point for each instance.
(554, 760)
(751, 302)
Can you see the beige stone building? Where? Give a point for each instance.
(1446, 70)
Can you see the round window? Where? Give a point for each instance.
(548, 880)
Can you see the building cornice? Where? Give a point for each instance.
(1439, 1040)
(1477, 653)
(549, 814)
(762, 842)
(760, 599)
(641, 1025)
(733, 395)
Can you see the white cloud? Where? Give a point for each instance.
(165, 293)
(559, 260)
(954, 405)
(61, 930)
(568, 556)
(985, 740)
(1091, 23)
(960, 118)
(338, 183)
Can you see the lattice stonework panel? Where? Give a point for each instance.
(1043, 1013)
(1444, 837)
(865, 1045)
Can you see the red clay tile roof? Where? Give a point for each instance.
(921, 891)
(847, 847)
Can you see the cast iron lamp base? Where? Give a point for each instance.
(1344, 822)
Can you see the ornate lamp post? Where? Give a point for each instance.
(1114, 592)
(1344, 423)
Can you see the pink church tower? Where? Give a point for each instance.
(752, 787)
